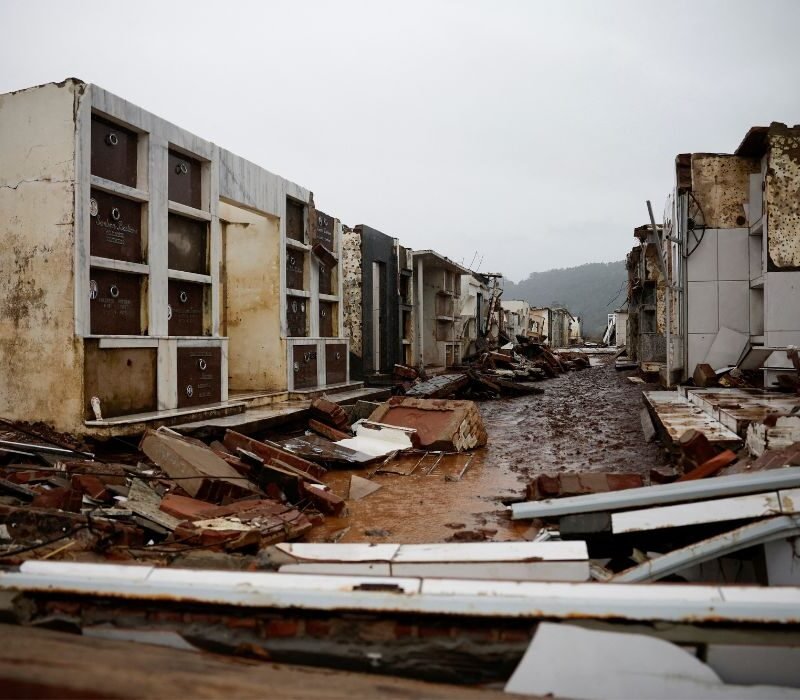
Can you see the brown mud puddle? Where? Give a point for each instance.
(585, 421)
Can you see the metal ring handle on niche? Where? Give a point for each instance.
(306, 357)
(202, 364)
(338, 356)
(189, 390)
(116, 214)
(181, 169)
(112, 139)
(184, 297)
(114, 291)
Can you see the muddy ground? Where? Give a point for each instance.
(585, 421)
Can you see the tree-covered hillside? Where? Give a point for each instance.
(590, 291)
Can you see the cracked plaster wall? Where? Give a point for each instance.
(351, 298)
(783, 198)
(721, 185)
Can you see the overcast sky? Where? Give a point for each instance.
(531, 132)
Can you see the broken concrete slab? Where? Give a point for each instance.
(774, 433)
(440, 424)
(200, 471)
(145, 502)
(361, 488)
(439, 387)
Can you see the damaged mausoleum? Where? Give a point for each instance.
(233, 425)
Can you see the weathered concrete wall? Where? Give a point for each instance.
(433, 351)
(351, 299)
(541, 317)
(783, 199)
(251, 293)
(41, 361)
(721, 185)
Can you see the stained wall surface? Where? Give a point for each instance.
(41, 362)
(251, 293)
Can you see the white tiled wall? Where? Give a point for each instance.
(782, 301)
(703, 307)
(733, 254)
(734, 305)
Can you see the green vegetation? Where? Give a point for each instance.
(589, 291)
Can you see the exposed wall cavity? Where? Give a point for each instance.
(783, 198)
(351, 302)
(721, 185)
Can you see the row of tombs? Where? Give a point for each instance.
(149, 273)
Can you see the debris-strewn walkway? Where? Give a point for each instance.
(585, 421)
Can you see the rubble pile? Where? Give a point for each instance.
(491, 375)
(173, 495)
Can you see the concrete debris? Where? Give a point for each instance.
(438, 424)
(361, 488)
(561, 485)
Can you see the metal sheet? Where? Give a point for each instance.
(326, 313)
(199, 376)
(185, 312)
(295, 220)
(114, 152)
(712, 548)
(114, 302)
(184, 180)
(335, 363)
(188, 245)
(481, 599)
(719, 486)
(295, 269)
(115, 227)
(702, 512)
(304, 366)
(296, 318)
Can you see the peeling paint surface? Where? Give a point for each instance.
(721, 185)
(783, 198)
(351, 271)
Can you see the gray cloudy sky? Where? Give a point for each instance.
(530, 131)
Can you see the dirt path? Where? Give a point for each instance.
(585, 421)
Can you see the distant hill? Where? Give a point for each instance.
(590, 291)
